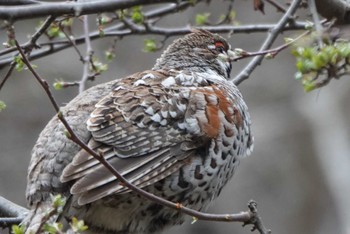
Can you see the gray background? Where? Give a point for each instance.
(298, 172)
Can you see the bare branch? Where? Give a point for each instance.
(277, 5)
(18, 2)
(316, 19)
(42, 82)
(88, 55)
(33, 39)
(245, 73)
(272, 52)
(10, 213)
(73, 43)
(73, 8)
(8, 74)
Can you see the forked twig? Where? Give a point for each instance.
(245, 73)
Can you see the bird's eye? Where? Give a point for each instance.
(219, 46)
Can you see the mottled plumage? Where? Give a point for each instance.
(177, 131)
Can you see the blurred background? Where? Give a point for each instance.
(299, 172)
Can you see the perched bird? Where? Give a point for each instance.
(177, 131)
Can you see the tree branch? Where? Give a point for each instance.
(18, 2)
(272, 52)
(13, 13)
(8, 74)
(10, 213)
(316, 19)
(88, 55)
(245, 73)
(33, 39)
(56, 46)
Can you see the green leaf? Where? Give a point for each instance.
(58, 201)
(344, 49)
(269, 56)
(54, 31)
(239, 52)
(288, 40)
(98, 66)
(308, 84)
(318, 62)
(308, 53)
(67, 134)
(194, 219)
(19, 63)
(149, 45)
(18, 229)
(2, 105)
(67, 22)
(9, 43)
(101, 32)
(110, 55)
(104, 19)
(335, 59)
(298, 75)
(300, 66)
(309, 25)
(51, 229)
(202, 19)
(58, 85)
(78, 225)
(137, 16)
(232, 15)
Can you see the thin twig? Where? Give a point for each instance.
(33, 39)
(245, 73)
(273, 52)
(81, 57)
(277, 5)
(8, 74)
(48, 215)
(43, 82)
(248, 217)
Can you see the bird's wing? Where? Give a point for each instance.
(146, 128)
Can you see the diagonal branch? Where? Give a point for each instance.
(8, 74)
(32, 43)
(278, 28)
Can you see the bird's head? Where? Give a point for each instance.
(199, 51)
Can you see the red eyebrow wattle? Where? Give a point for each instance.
(219, 44)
